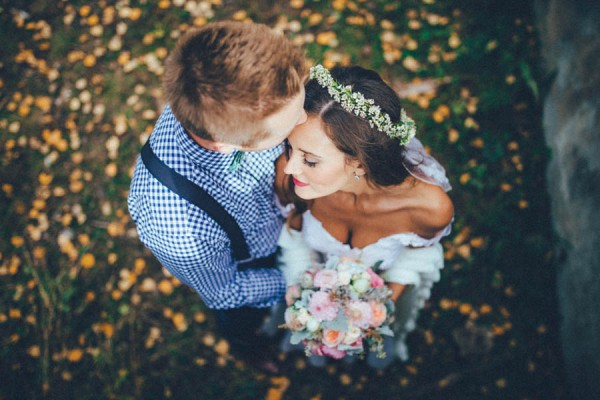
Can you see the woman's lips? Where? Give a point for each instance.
(298, 183)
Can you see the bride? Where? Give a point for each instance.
(362, 186)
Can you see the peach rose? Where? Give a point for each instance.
(378, 314)
(332, 338)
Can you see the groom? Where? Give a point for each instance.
(202, 190)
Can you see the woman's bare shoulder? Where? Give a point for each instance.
(420, 208)
(431, 210)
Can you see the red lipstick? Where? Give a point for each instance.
(298, 183)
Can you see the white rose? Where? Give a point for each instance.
(352, 335)
(365, 275)
(361, 285)
(344, 277)
(291, 320)
(312, 324)
(303, 316)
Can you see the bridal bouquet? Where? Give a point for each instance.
(340, 308)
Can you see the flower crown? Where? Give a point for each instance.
(355, 102)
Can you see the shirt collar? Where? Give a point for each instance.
(208, 159)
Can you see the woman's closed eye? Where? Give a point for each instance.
(311, 164)
(289, 150)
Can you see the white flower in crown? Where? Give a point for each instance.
(356, 103)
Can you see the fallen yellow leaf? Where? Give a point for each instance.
(88, 260)
(75, 355)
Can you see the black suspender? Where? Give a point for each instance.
(200, 198)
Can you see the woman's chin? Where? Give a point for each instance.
(303, 194)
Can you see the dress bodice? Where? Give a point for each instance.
(388, 248)
(407, 258)
(419, 164)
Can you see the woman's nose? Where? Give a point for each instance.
(291, 165)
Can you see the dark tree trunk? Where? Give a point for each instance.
(570, 33)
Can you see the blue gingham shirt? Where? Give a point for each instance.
(190, 244)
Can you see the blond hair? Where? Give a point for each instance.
(223, 79)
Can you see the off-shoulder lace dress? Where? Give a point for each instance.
(406, 257)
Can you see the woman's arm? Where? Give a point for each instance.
(396, 288)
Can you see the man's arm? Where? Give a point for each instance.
(208, 268)
(197, 251)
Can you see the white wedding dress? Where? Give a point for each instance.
(406, 257)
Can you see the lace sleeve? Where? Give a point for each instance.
(419, 266)
(295, 256)
(284, 210)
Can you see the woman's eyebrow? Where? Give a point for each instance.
(311, 154)
(287, 141)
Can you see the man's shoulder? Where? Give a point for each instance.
(275, 152)
(164, 129)
(162, 213)
(265, 158)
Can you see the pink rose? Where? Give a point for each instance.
(359, 313)
(332, 352)
(325, 279)
(358, 344)
(292, 293)
(322, 308)
(376, 280)
(378, 314)
(315, 348)
(332, 338)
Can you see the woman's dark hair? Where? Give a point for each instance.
(379, 155)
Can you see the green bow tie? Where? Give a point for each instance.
(237, 161)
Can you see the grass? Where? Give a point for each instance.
(87, 312)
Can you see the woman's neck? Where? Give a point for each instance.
(364, 189)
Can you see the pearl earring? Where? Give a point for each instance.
(356, 176)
